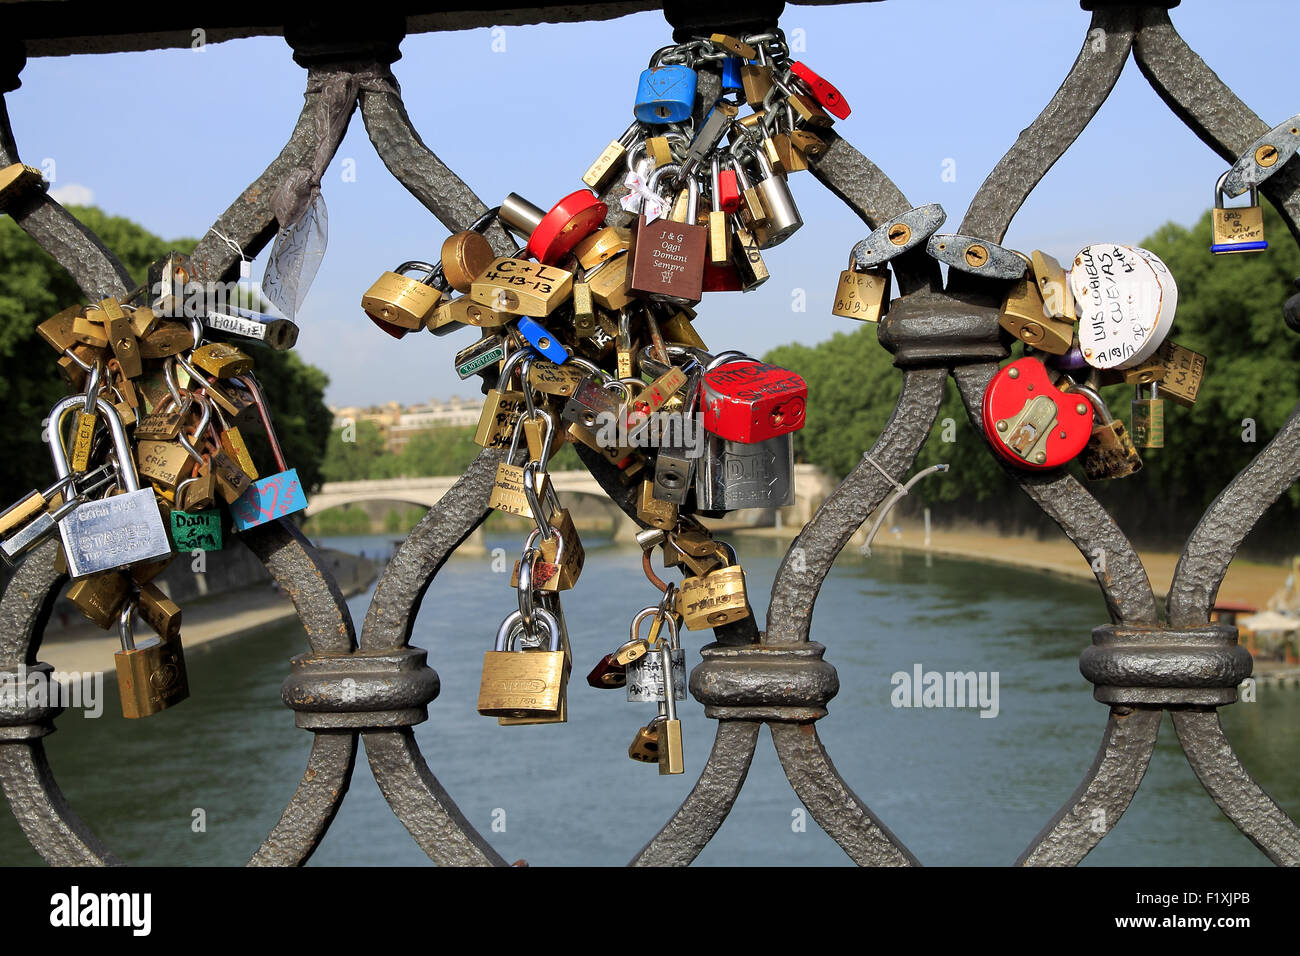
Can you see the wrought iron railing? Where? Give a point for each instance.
(376, 689)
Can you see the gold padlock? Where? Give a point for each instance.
(400, 300)
(562, 549)
(1240, 229)
(100, 597)
(221, 360)
(524, 683)
(1184, 370)
(521, 287)
(162, 462)
(18, 181)
(562, 716)
(1110, 452)
(862, 293)
(1025, 315)
(645, 745)
(716, 598)
(1149, 420)
(151, 673)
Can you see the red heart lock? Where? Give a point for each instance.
(1032, 423)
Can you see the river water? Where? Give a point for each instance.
(956, 787)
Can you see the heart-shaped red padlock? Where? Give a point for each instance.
(1032, 423)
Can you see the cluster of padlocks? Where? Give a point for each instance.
(154, 462)
(587, 330)
(1104, 321)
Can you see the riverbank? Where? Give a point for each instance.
(1246, 581)
(85, 648)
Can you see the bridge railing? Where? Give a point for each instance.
(1141, 664)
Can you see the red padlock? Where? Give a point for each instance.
(722, 278)
(748, 401)
(728, 198)
(552, 235)
(828, 96)
(396, 331)
(1032, 423)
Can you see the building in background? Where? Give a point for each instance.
(397, 423)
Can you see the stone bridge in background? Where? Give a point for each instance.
(578, 491)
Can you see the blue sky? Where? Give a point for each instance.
(170, 138)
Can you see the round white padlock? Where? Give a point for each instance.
(1126, 298)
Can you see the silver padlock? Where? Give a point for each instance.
(783, 219)
(645, 675)
(732, 475)
(115, 532)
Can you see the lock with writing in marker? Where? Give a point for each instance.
(862, 293)
(665, 94)
(1239, 229)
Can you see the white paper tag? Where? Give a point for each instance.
(295, 259)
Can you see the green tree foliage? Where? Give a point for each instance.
(355, 460)
(436, 451)
(33, 287)
(1229, 309)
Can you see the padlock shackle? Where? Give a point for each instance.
(264, 413)
(124, 629)
(1218, 193)
(512, 361)
(1094, 397)
(121, 444)
(514, 623)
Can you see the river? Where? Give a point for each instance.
(957, 788)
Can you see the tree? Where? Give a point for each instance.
(33, 287)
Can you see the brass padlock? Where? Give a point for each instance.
(645, 745)
(399, 300)
(611, 282)
(671, 758)
(1149, 420)
(1025, 316)
(150, 673)
(100, 597)
(563, 549)
(19, 181)
(1240, 229)
(524, 683)
(1110, 452)
(862, 293)
(603, 245)
(164, 463)
(501, 407)
(465, 256)
(221, 360)
(521, 287)
(716, 598)
(1184, 370)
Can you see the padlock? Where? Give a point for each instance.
(719, 234)
(29, 506)
(732, 475)
(782, 220)
(611, 282)
(1025, 316)
(397, 300)
(826, 95)
(100, 597)
(552, 235)
(671, 758)
(602, 245)
(751, 209)
(731, 81)
(746, 258)
(502, 406)
(716, 598)
(523, 683)
(1126, 299)
(557, 567)
(221, 360)
(276, 333)
(269, 498)
(464, 257)
(668, 256)
(645, 674)
(159, 611)
(598, 174)
(862, 294)
(1240, 229)
(1029, 421)
(665, 94)
(150, 673)
(611, 671)
(977, 256)
(18, 182)
(645, 745)
(1184, 370)
(542, 340)
(121, 338)
(1149, 419)
(196, 530)
(116, 532)
(749, 401)
(519, 287)
(1109, 452)
(756, 79)
(480, 356)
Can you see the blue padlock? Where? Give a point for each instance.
(268, 498)
(542, 340)
(666, 94)
(731, 82)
